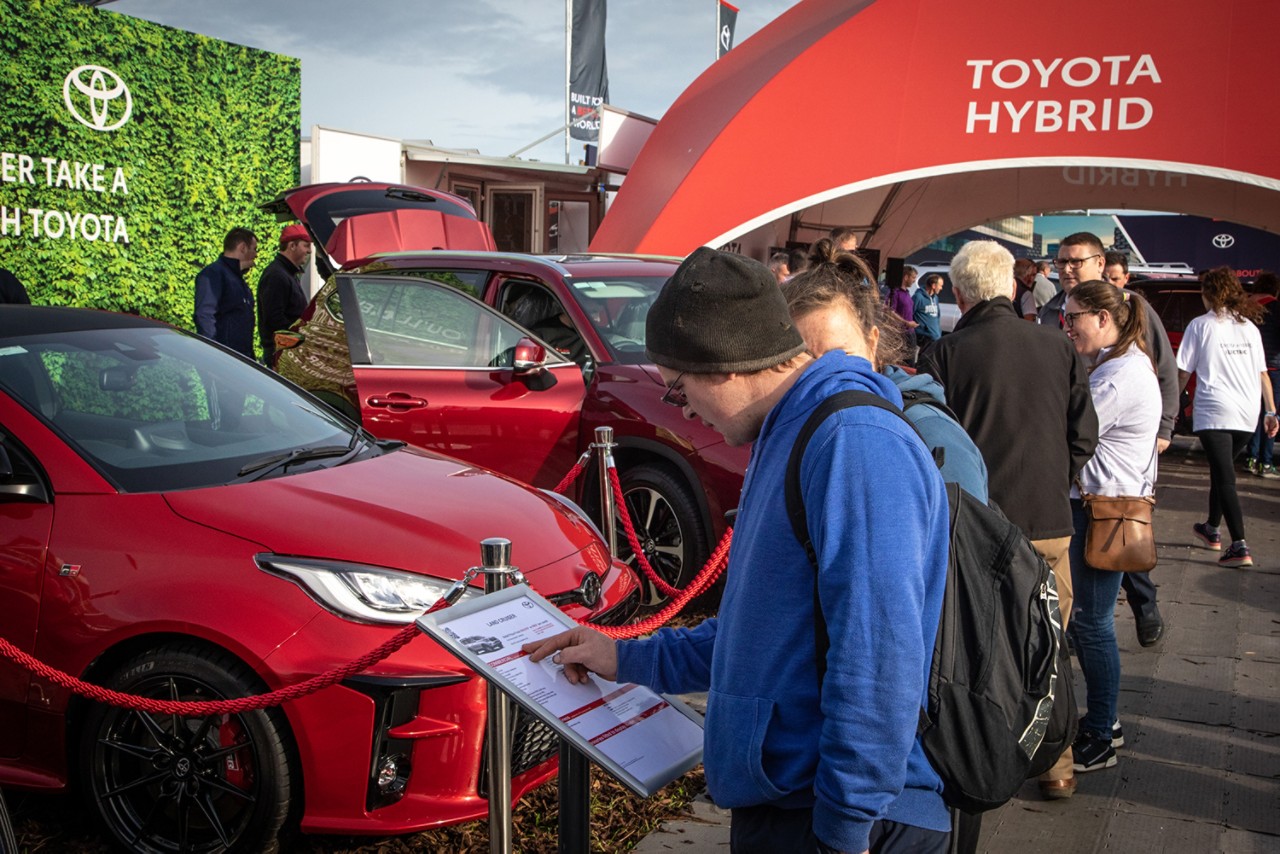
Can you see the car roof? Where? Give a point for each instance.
(565, 265)
(21, 320)
(1160, 283)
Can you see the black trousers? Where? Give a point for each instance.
(1222, 447)
(771, 830)
(1140, 592)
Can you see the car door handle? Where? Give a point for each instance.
(396, 400)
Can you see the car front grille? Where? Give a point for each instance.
(620, 614)
(532, 743)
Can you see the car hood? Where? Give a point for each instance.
(406, 510)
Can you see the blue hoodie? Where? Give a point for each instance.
(878, 516)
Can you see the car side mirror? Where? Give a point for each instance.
(530, 357)
(529, 365)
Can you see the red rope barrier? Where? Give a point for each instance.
(705, 578)
(634, 541)
(578, 468)
(204, 708)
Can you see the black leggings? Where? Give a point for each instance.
(1222, 447)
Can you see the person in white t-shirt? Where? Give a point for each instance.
(1224, 350)
(1109, 330)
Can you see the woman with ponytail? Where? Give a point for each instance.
(835, 305)
(1223, 348)
(1108, 327)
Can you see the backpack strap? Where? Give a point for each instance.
(916, 398)
(795, 500)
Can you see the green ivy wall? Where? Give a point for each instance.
(212, 135)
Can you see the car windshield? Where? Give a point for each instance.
(618, 306)
(155, 409)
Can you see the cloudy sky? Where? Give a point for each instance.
(485, 74)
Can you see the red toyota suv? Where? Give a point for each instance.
(413, 347)
(433, 348)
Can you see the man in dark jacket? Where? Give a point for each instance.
(1022, 392)
(224, 303)
(281, 297)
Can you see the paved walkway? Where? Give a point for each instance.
(1200, 769)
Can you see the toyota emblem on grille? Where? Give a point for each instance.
(589, 590)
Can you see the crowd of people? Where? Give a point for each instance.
(823, 755)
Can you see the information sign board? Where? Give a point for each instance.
(644, 739)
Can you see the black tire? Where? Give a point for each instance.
(668, 525)
(163, 783)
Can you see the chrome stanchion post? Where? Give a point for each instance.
(575, 768)
(604, 446)
(495, 560)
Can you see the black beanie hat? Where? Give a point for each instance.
(720, 313)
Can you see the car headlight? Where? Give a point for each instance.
(367, 594)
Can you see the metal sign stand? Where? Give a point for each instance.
(575, 768)
(495, 560)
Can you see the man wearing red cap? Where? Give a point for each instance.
(281, 298)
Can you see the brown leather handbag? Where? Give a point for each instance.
(1119, 535)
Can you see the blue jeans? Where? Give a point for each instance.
(1262, 446)
(1093, 631)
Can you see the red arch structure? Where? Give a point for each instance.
(913, 119)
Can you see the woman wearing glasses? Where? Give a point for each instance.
(1108, 328)
(1223, 348)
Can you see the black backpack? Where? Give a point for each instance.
(1001, 704)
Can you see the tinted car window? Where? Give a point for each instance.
(156, 409)
(470, 282)
(617, 307)
(1176, 308)
(415, 323)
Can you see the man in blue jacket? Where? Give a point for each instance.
(224, 303)
(805, 764)
(928, 314)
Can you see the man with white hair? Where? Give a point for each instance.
(1022, 393)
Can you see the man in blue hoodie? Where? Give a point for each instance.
(805, 762)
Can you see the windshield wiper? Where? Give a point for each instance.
(266, 465)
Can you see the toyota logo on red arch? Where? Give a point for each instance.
(94, 95)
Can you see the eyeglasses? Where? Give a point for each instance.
(675, 395)
(1064, 263)
(1069, 317)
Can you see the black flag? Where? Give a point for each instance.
(588, 76)
(728, 18)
